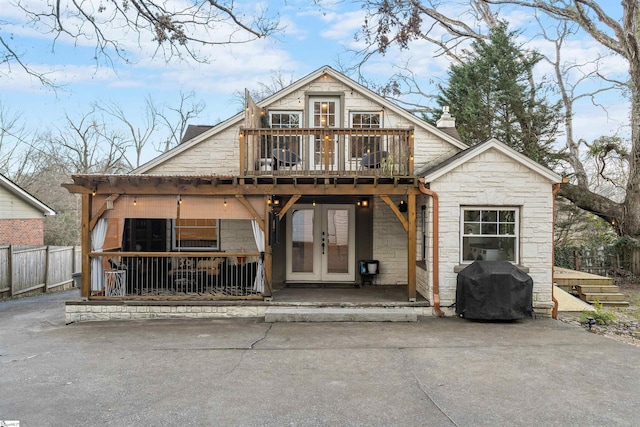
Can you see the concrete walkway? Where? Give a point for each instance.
(244, 372)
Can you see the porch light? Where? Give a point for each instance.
(94, 191)
(225, 202)
(179, 200)
(314, 203)
(275, 200)
(402, 206)
(364, 203)
(135, 201)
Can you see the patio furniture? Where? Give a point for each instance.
(373, 160)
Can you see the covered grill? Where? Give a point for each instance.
(494, 290)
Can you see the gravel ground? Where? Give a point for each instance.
(626, 325)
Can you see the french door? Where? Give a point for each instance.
(324, 113)
(320, 243)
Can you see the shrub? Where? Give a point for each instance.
(601, 316)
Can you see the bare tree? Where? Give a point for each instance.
(175, 118)
(178, 29)
(88, 146)
(137, 136)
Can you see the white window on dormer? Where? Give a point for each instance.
(364, 143)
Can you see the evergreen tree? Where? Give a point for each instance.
(491, 95)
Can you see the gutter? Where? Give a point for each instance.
(436, 250)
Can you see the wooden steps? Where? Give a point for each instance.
(606, 295)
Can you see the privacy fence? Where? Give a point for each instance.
(26, 270)
(601, 260)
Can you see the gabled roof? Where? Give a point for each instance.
(24, 195)
(239, 117)
(432, 173)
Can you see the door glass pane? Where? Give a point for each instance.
(302, 241)
(337, 241)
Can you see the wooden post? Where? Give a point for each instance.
(411, 247)
(85, 290)
(47, 278)
(268, 255)
(10, 272)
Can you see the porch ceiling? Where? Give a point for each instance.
(234, 185)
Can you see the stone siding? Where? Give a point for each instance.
(493, 179)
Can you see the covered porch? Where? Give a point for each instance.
(115, 269)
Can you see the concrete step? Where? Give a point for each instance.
(602, 296)
(585, 289)
(339, 314)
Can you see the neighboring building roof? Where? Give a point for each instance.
(24, 195)
(431, 173)
(193, 131)
(239, 117)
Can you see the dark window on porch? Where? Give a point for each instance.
(196, 234)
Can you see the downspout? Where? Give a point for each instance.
(436, 258)
(554, 310)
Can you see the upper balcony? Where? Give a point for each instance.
(326, 152)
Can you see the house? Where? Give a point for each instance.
(21, 215)
(323, 182)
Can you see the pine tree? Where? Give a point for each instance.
(492, 96)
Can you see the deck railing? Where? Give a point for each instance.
(178, 274)
(326, 151)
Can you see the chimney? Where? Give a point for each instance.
(446, 120)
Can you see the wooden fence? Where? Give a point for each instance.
(37, 269)
(601, 260)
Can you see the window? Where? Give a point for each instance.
(489, 234)
(196, 234)
(363, 144)
(281, 120)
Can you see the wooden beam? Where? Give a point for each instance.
(289, 204)
(411, 247)
(85, 242)
(103, 209)
(252, 211)
(396, 211)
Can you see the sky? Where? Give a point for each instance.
(311, 36)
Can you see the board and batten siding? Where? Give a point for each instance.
(494, 179)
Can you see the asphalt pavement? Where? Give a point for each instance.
(244, 372)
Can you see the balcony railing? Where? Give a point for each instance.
(326, 151)
(178, 274)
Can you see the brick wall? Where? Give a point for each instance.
(22, 231)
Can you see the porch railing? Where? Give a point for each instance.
(326, 151)
(178, 274)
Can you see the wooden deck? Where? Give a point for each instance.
(590, 288)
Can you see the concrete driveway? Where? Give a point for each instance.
(436, 372)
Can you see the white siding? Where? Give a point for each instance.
(12, 207)
(493, 179)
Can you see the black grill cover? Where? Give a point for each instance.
(494, 290)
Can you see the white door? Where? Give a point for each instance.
(324, 113)
(320, 243)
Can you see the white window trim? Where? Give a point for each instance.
(352, 113)
(174, 246)
(517, 236)
(291, 112)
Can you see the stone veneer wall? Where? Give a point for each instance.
(493, 179)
